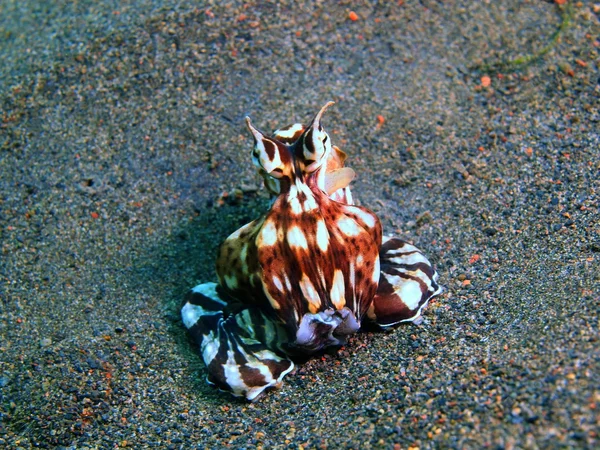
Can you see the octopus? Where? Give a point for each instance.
(314, 269)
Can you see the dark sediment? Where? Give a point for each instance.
(122, 126)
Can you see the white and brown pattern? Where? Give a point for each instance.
(304, 275)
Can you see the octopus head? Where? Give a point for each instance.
(294, 152)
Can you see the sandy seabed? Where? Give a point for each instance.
(124, 162)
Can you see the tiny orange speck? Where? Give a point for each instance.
(95, 215)
(474, 259)
(486, 81)
(380, 119)
(353, 16)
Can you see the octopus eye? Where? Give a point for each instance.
(270, 155)
(315, 143)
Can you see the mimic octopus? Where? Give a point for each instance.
(305, 275)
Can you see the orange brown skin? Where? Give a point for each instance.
(304, 275)
(309, 253)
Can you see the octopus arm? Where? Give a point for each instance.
(407, 283)
(242, 351)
